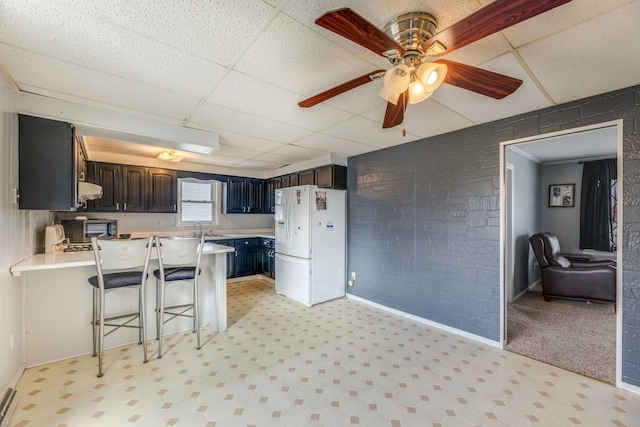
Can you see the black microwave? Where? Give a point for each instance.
(82, 230)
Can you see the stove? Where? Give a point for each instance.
(77, 247)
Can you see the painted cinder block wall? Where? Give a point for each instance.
(424, 219)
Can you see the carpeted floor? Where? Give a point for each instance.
(572, 335)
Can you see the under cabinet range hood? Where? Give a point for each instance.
(88, 191)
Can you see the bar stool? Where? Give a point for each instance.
(123, 265)
(179, 260)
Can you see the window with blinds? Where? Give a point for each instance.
(197, 201)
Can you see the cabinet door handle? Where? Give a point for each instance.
(249, 209)
(124, 205)
(117, 206)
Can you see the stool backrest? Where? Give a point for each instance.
(122, 254)
(180, 251)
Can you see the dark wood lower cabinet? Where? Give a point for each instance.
(251, 256)
(246, 262)
(267, 258)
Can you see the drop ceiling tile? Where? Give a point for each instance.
(574, 64)
(217, 117)
(290, 55)
(247, 94)
(301, 152)
(64, 80)
(278, 159)
(71, 36)
(248, 142)
(257, 164)
(360, 99)
(217, 30)
(480, 109)
(218, 159)
(334, 145)
(367, 132)
(231, 151)
(479, 51)
(427, 118)
(560, 19)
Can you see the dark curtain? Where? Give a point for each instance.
(596, 221)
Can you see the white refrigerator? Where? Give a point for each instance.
(310, 229)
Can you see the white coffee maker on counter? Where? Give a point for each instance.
(53, 238)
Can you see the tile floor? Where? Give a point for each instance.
(336, 364)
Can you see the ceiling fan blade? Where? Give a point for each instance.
(494, 17)
(334, 91)
(348, 24)
(395, 113)
(478, 80)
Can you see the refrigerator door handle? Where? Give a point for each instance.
(287, 222)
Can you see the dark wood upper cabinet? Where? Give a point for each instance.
(124, 187)
(128, 188)
(109, 177)
(331, 176)
(134, 188)
(244, 195)
(307, 177)
(48, 159)
(163, 190)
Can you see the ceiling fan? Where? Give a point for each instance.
(409, 40)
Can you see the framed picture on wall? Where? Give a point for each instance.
(561, 195)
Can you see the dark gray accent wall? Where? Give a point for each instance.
(423, 220)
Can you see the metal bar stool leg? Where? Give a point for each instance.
(196, 313)
(101, 329)
(94, 322)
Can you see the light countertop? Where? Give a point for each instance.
(79, 259)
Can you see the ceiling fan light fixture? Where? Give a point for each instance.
(417, 91)
(389, 95)
(397, 79)
(431, 74)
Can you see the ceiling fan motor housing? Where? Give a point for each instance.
(410, 30)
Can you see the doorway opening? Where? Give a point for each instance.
(527, 168)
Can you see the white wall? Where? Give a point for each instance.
(18, 230)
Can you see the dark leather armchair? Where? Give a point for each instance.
(592, 280)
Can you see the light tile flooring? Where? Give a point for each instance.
(340, 363)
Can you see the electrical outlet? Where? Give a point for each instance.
(353, 275)
(159, 223)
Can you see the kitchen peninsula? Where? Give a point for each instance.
(57, 301)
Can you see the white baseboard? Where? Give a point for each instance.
(428, 322)
(628, 387)
(253, 277)
(529, 288)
